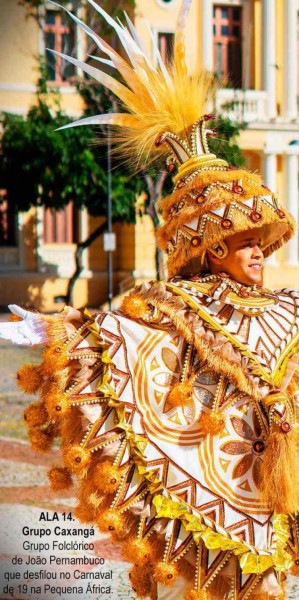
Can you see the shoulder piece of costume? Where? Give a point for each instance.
(252, 332)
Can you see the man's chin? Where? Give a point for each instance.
(253, 279)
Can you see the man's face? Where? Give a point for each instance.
(244, 261)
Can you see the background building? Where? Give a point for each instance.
(252, 45)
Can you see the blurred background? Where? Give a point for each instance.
(61, 194)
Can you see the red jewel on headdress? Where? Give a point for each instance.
(200, 199)
(181, 183)
(281, 213)
(159, 140)
(226, 223)
(209, 117)
(285, 427)
(195, 241)
(255, 216)
(237, 189)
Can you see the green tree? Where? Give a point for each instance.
(40, 166)
(225, 143)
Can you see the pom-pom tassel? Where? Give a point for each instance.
(137, 551)
(134, 306)
(57, 405)
(54, 359)
(180, 395)
(41, 440)
(36, 415)
(85, 512)
(77, 458)
(111, 521)
(166, 573)
(279, 483)
(60, 478)
(211, 423)
(140, 578)
(29, 378)
(107, 477)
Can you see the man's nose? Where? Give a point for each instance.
(257, 251)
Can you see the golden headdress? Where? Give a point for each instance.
(163, 107)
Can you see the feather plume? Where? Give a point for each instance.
(155, 97)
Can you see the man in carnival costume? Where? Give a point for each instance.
(177, 413)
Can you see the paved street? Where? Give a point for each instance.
(25, 496)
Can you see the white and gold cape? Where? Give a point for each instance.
(177, 416)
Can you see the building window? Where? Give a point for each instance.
(227, 41)
(165, 43)
(8, 225)
(60, 226)
(58, 35)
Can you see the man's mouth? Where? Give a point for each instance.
(256, 267)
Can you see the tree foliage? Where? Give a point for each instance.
(225, 145)
(40, 166)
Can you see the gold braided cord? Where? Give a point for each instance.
(197, 162)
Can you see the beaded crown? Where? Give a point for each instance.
(163, 106)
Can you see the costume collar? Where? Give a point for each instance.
(250, 300)
(268, 341)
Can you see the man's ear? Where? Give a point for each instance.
(217, 253)
(214, 260)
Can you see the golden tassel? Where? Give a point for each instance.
(138, 551)
(36, 415)
(180, 395)
(135, 306)
(54, 359)
(113, 522)
(166, 573)
(85, 512)
(41, 439)
(77, 458)
(107, 477)
(140, 578)
(29, 378)
(211, 423)
(60, 478)
(279, 485)
(57, 405)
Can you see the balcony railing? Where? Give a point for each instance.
(244, 106)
